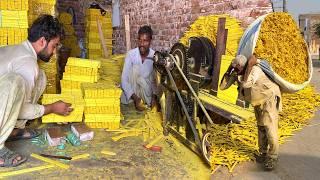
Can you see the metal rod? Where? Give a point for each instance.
(57, 157)
(196, 136)
(192, 90)
(285, 6)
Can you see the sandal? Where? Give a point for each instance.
(21, 134)
(270, 163)
(9, 156)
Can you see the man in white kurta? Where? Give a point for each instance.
(138, 79)
(22, 83)
(22, 60)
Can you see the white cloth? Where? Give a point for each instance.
(259, 88)
(12, 94)
(38, 90)
(138, 77)
(22, 60)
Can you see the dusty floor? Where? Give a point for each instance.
(132, 160)
(299, 158)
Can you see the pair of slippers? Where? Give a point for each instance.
(23, 134)
(10, 158)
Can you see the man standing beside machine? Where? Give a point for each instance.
(265, 96)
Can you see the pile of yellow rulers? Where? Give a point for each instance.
(207, 26)
(93, 42)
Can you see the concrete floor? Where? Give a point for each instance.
(299, 158)
(132, 160)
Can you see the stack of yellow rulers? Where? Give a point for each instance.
(111, 69)
(51, 70)
(102, 108)
(14, 5)
(70, 39)
(11, 36)
(101, 99)
(38, 7)
(77, 105)
(13, 21)
(93, 43)
(77, 71)
(82, 70)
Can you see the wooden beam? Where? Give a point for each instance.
(103, 42)
(225, 42)
(220, 50)
(127, 29)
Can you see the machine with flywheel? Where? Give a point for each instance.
(184, 72)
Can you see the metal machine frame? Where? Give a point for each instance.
(174, 69)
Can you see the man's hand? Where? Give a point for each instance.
(137, 102)
(251, 62)
(154, 102)
(59, 107)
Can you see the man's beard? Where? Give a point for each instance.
(143, 51)
(43, 55)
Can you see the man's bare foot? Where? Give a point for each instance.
(139, 106)
(18, 134)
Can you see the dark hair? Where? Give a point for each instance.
(145, 30)
(45, 26)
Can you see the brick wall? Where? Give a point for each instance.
(170, 18)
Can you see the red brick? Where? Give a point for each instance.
(169, 19)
